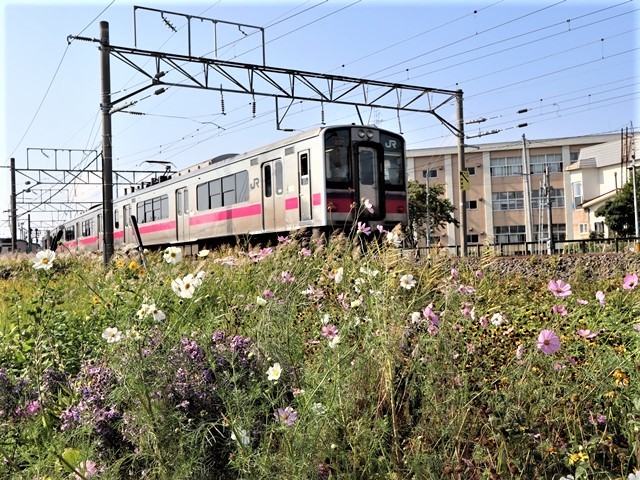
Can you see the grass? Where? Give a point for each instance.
(389, 368)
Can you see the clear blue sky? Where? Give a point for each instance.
(573, 64)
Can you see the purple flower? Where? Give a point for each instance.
(559, 288)
(430, 314)
(286, 416)
(630, 281)
(363, 228)
(600, 298)
(454, 273)
(286, 277)
(548, 342)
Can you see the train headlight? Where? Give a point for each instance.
(369, 134)
(361, 133)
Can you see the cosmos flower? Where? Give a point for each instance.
(367, 205)
(548, 342)
(112, 335)
(559, 288)
(286, 416)
(600, 297)
(630, 281)
(407, 281)
(363, 228)
(44, 260)
(185, 287)
(274, 372)
(172, 255)
(329, 331)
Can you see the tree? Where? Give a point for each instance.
(440, 209)
(619, 213)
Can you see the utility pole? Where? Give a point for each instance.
(29, 233)
(526, 177)
(107, 169)
(428, 220)
(463, 168)
(547, 191)
(14, 209)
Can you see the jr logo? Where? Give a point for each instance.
(391, 144)
(255, 183)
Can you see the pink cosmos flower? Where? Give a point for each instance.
(587, 333)
(560, 310)
(286, 277)
(548, 342)
(329, 331)
(430, 314)
(559, 288)
(630, 281)
(600, 298)
(363, 228)
(454, 273)
(286, 416)
(582, 301)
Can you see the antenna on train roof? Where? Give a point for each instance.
(161, 162)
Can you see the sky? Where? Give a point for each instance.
(562, 67)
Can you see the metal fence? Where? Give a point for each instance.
(601, 245)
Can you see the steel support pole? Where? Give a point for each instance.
(14, 208)
(107, 169)
(462, 166)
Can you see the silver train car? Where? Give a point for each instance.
(310, 180)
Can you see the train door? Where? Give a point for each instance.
(305, 186)
(182, 214)
(126, 224)
(371, 179)
(273, 204)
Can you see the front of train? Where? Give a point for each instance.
(365, 178)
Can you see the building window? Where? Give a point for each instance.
(577, 194)
(584, 228)
(472, 204)
(539, 162)
(510, 234)
(471, 170)
(433, 173)
(506, 167)
(559, 232)
(598, 227)
(473, 238)
(539, 199)
(573, 157)
(507, 200)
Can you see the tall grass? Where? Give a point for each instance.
(312, 360)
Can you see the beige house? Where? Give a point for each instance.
(506, 197)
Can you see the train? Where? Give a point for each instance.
(316, 180)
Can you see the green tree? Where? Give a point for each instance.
(618, 212)
(440, 209)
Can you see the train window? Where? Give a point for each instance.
(337, 157)
(267, 181)
(179, 202)
(87, 227)
(366, 164)
(126, 213)
(186, 201)
(279, 179)
(393, 161)
(69, 234)
(304, 165)
(153, 209)
(215, 193)
(242, 186)
(229, 190)
(116, 218)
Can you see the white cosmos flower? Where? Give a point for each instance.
(497, 319)
(274, 372)
(158, 315)
(260, 301)
(407, 281)
(184, 287)
(44, 260)
(203, 253)
(339, 274)
(111, 335)
(333, 343)
(172, 255)
(242, 433)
